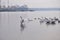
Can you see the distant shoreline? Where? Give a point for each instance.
(28, 9)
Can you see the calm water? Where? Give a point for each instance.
(10, 26)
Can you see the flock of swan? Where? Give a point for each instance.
(45, 20)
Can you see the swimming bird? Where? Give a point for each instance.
(58, 21)
(48, 22)
(35, 18)
(53, 22)
(22, 25)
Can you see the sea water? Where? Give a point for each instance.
(10, 28)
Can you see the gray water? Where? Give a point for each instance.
(10, 26)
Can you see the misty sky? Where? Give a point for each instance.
(33, 3)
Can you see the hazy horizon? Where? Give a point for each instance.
(33, 3)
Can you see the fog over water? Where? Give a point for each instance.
(10, 28)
